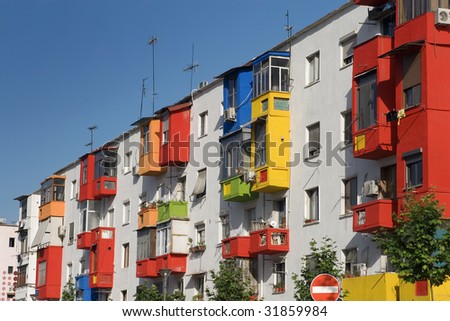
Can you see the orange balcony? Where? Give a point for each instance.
(53, 208)
(147, 217)
(84, 240)
(373, 215)
(237, 246)
(373, 3)
(269, 241)
(150, 147)
(175, 262)
(146, 268)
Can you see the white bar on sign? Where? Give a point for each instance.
(325, 289)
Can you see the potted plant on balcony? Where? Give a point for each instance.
(278, 288)
(200, 247)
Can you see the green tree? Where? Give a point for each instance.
(323, 259)
(229, 283)
(419, 245)
(146, 293)
(68, 293)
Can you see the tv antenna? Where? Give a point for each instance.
(288, 27)
(142, 96)
(192, 67)
(91, 129)
(152, 42)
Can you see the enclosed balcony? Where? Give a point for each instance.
(269, 241)
(374, 126)
(172, 210)
(150, 143)
(84, 240)
(101, 257)
(236, 189)
(146, 268)
(372, 3)
(48, 273)
(173, 261)
(147, 216)
(52, 197)
(371, 216)
(237, 246)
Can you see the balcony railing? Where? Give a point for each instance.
(370, 216)
(269, 241)
(237, 246)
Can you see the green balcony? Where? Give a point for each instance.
(172, 210)
(235, 189)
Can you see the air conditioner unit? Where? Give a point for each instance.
(22, 224)
(229, 114)
(249, 176)
(358, 269)
(62, 231)
(370, 188)
(442, 17)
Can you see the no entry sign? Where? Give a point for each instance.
(325, 287)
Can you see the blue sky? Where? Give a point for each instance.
(68, 64)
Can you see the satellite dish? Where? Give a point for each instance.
(273, 224)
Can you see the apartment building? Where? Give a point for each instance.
(320, 135)
(8, 272)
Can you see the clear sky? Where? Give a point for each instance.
(66, 65)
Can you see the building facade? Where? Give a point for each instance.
(321, 135)
(8, 244)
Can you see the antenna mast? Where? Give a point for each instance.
(152, 42)
(288, 27)
(142, 96)
(91, 129)
(192, 68)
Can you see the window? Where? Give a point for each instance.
(313, 140)
(279, 212)
(163, 239)
(71, 232)
(10, 269)
(351, 257)
(200, 184)
(250, 220)
(181, 189)
(409, 9)
(23, 208)
(313, 68)
(69, 272)
(271, 73)
(232, 92)
(90, 215)
(200, 286)
(144, 244)
(388, 182)
(73, 189)
(347, 50)
(105, 163)
(109, 219)
(411, 80)
(312, 205)
(367, 100)
(127, 162)
(126, 213)
(52, 190)
(226, 227)
(12, 241)
(42, 273)
(350, 194)
(22, 276)
(200, 233)
(125, 255)
(145, 139)
(387, 25)
(203, 120)
(260, 142)
(124, 295)
(414, 177)
(347, 116)
(24, 242)
(165, 130)
(279, 277)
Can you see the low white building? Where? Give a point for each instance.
(8, 263)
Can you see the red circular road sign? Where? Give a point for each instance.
(325, 287)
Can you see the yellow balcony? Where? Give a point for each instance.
(273, 103)
(271, 179)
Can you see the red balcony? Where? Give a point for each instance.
(175, 262)
(373, 215)
(269, 241)
(374, 142)
(146, 268)
(366, 55)
(373, 3)
(237, 246)
(48, 273)
(101, 257)
(84, 240)
(105, 186)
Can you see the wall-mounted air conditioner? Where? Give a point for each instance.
(358, 269)
(62, 231)
(442, 17)
(249, 176)
(229, 114)
(370, 188)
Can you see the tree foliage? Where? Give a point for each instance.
(68, 293)
(229, 284)
(419, 245)
(323, 259)
(146, 293)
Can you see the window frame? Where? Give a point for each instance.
(367, 82)
(260, 139)
(350, 196)
(279, 277)
(126, 212)
(346, 45)
(312, 210)
(125, 255)
(314, 146)
(347, 132)
(413, 167)
(313, 69)
(200, 233)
